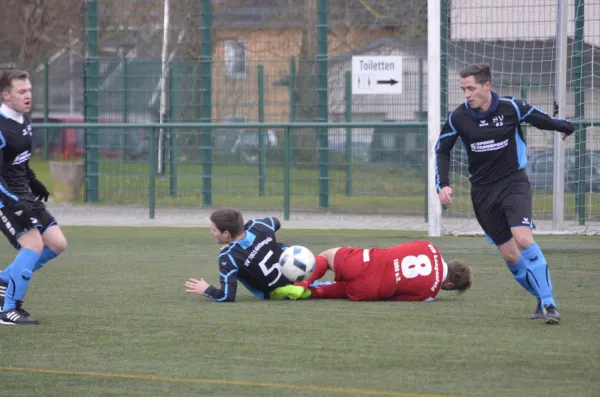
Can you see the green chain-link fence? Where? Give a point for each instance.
(264, 61)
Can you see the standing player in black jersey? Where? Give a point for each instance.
(24, 219)
(490, 128)
(251, 256)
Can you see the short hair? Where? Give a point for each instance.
(228, 220)
(460, 275)
(480, 71)
(7, 77)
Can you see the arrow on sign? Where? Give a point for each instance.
(390, 82)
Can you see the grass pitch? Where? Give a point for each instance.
(117, 322)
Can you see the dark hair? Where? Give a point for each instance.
(7, 77)
(480, 71)
(228, 220)
(460, 275)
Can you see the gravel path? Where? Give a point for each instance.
(89, 215)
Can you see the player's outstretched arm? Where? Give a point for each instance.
(227, 291)
(228, 279)
(543, 121)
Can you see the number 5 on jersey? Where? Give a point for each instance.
(275, 267)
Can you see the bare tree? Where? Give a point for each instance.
(41, 27)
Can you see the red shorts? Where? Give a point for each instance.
(352, 266)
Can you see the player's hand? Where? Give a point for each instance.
(445, 196)
(194, 286)
(39, 190)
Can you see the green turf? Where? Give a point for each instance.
(115, 316)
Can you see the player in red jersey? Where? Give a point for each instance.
(413, 271)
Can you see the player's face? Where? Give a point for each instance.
(220, 238)
(18, 97)
(475, 93)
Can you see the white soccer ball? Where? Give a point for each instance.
(297, 263)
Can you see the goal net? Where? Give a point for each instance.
(520, 43)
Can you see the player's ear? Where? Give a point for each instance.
(448, 285)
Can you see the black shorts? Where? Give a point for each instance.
(503, 205)
(13, 226)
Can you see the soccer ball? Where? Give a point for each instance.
(297, 263)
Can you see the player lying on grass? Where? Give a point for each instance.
(251, 255)
(413, 271)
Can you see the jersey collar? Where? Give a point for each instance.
(477, 115)
(11, 114)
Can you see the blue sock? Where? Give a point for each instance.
(539, 274)
(47, 255)
(19, 277)
(519, 271)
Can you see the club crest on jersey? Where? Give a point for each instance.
(21, 158)
(27, 131)
(498, 121)
(483, 123)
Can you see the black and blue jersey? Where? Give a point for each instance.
(493, 140)
(253, 260)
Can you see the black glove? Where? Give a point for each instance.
(555, 111)
(39, 190)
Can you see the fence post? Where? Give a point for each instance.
(323, 104)
(124, 108)
(261, 132)
(292, 99)
(560, 95)
(445, 28)
(580, 135)
(46, 110)
(174, 89)
(152, 174)
(422, 137)
(92, 75)
(349, 143)
(206, 79)
(444, 63)
(287, 137)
